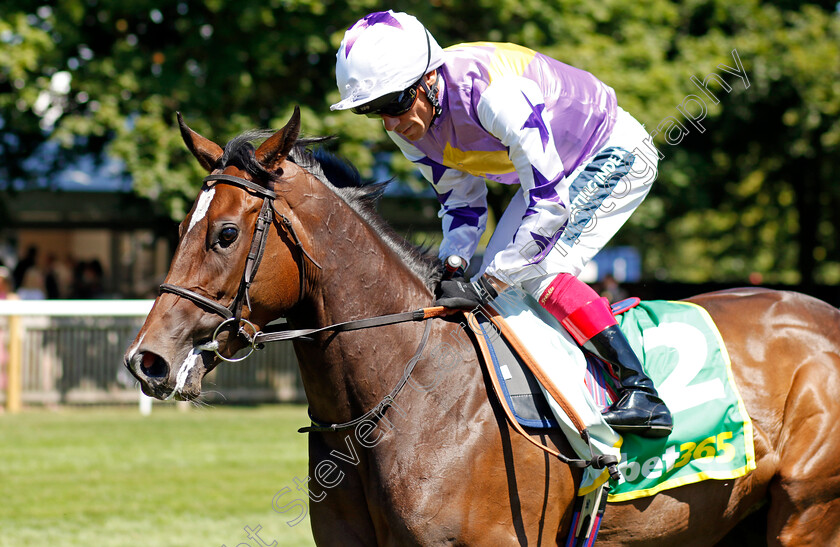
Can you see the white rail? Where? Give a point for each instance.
(69, 352)
(76, 308)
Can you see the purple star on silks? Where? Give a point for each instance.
(535, 121)
(545, 244)
(543, 189)
(461, 216)
(442, 197)
(369, 20)
(465, 216)
(437, 169)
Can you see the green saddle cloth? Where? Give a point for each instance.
(684, 354)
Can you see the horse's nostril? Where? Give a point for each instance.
(154, 366)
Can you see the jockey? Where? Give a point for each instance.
(501, 112)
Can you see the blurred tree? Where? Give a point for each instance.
(748, 187)
(755, 192)
(109, 75)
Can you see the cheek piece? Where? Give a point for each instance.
(432, 95)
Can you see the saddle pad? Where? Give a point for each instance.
(519, 386)
(562, 362)
(684, 354)
(522, 390)
(712, 438)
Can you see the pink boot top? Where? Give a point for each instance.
(578, 308)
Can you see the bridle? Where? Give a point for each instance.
(233, 313)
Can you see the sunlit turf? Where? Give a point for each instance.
(111, 477)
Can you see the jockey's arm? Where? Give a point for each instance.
(513, 110)
(463, 199)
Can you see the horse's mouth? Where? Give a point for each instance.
(160, 380)
(192, 370)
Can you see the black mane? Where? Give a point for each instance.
(344, 179)
(239, 152)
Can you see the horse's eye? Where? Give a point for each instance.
(228, 235)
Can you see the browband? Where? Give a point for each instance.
(244, 183)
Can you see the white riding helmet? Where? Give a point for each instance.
(383, 52)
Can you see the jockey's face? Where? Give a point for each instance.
(416, 121)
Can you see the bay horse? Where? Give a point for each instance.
(441, 465)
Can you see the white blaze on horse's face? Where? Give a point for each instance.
(201, 207)
(184, 371)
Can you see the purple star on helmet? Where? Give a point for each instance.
(465, 216)
(437, 169)
(544, 189)
(368, 20)
(535, 121)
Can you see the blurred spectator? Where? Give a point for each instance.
(88, 278)
(64, 275)
(8, 256)
(24, 264)
(51, 283)
(611, 290)
(33, 286)
(58, 277)
(6, 285)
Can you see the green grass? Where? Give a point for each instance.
(111, 477)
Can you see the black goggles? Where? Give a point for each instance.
(392, 104)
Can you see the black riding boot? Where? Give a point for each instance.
(639, 409)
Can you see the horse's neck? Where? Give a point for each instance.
(361, 277)
(364, 277)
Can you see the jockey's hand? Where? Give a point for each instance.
(465, 295)
(453, 267)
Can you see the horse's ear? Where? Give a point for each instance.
(205, 151)
(276, 148)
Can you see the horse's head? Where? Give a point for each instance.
(212, 299)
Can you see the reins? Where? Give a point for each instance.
(374, 414)
(420, 314)
(233, 312)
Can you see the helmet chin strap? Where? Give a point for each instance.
(432, 95)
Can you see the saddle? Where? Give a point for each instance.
(521, 389)
(542, 379)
